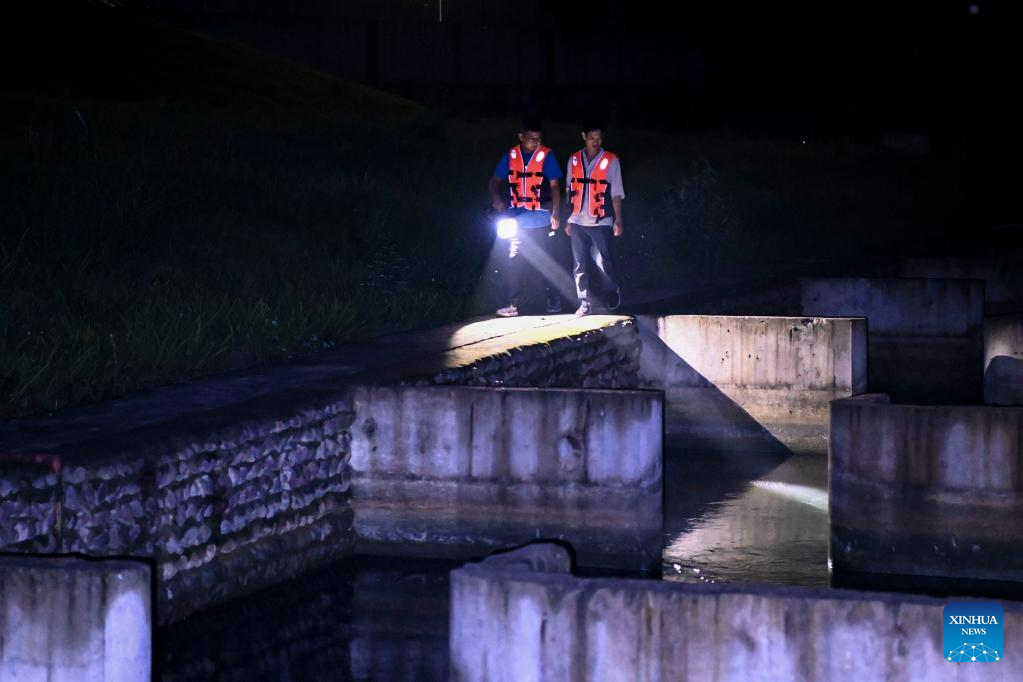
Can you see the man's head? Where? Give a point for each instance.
(593, 136)
(530, 134)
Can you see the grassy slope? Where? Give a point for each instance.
(230, 209)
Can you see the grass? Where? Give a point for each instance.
(254, 210)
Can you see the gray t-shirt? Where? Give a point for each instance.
(614, 178)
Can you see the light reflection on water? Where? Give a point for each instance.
(735, 517)
(746, 517)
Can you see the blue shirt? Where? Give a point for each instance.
(551, 171)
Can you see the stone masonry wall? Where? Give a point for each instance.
(602, 358)
(29, 503)
(229, 499)
(251, 502)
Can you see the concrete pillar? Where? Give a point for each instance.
(459, 471)
(1002, 275)
(74, 620)
(926, 490)
(925, 335)
(1003, 360)
(739, 382)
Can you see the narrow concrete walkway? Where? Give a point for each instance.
(386, 359)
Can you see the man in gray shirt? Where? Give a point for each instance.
(594, 176)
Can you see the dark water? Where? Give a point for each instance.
(746, 517)
(736, 518)
(740, 517)
(364, 619)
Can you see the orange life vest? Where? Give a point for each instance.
(525, 181)
(599, 186)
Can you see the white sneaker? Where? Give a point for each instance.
(510, 310)
(584, 309)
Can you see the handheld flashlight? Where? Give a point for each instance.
(507, 228)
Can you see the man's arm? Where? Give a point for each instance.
(495, 194)
(555, 204)
(617, 195)
(568, 204)
(618, 225)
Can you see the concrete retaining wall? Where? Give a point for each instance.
(512, 623)
(72, 620)
(238, 482)
(461, 471)
(1002, 276)
(224, 502)
(926, 490)
(1003, 360)
(925, 335)
(755, 381)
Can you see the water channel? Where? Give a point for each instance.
(737, 517)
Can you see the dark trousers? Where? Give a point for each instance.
(592, 242)
(533, 249)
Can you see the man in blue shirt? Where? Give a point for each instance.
(533, 178)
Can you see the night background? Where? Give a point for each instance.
(202, 188)
(196, 186)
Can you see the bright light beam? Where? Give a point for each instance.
(814, 497)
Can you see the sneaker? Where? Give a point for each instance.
(510, 310)
(554, 304)
(584, 309)
(614, 299)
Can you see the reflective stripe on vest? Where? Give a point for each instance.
(524, 182)
(599, 186)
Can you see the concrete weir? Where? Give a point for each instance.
(237, 482)
(926, 490)
(461, 471)
(529, 619)
(755, 382)
(73, 620)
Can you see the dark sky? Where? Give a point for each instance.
(942, 68)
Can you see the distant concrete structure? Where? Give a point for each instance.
(739, 382)
(461, 471)
(1003, 360)
(925, 336)
(509, 622)
(926, 490)
(1002, 275)
(73, 620)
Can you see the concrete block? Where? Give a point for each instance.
(926, 490)
(753, 382)
(1003, 360)
(462, 471)
(1002, 275)
(925, 335)
(73, 620)
(518, 625)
